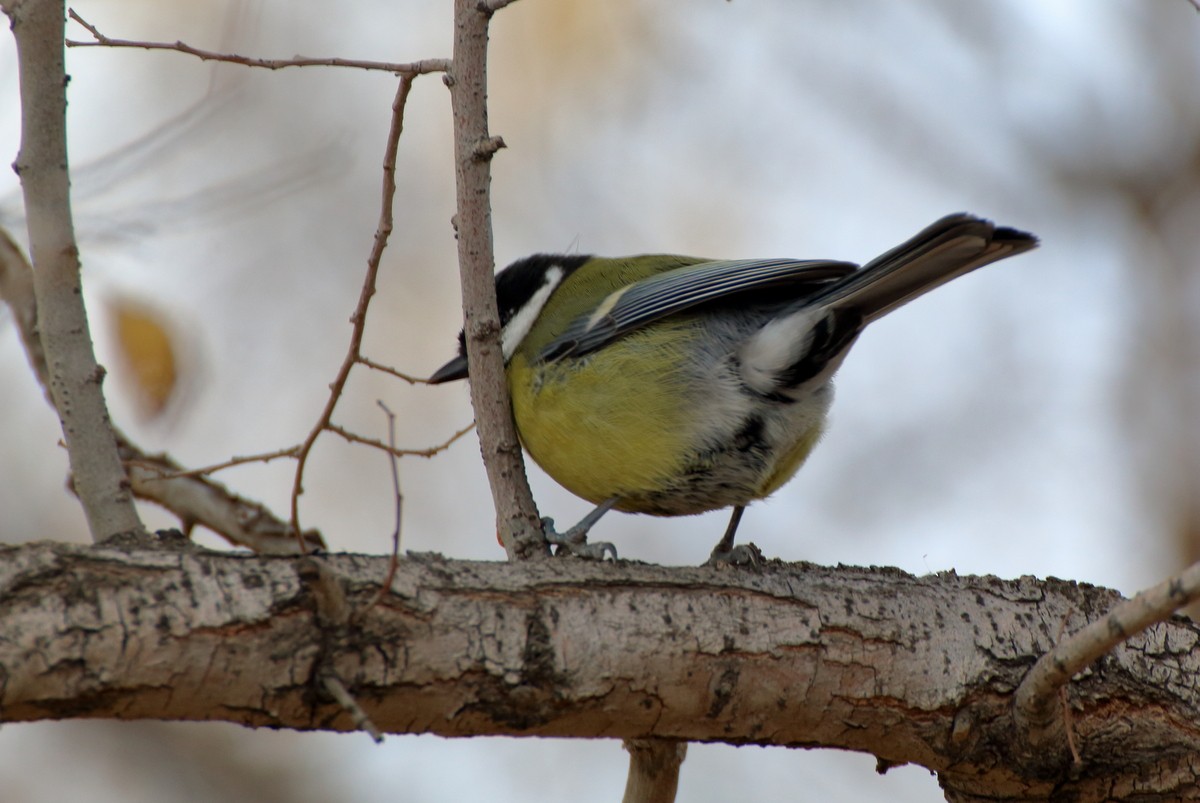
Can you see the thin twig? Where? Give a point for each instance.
(1034, 702)
(394, 563)
(358, 320)
(354, 437)
(409, 378)
(337, 690)
(422, 67)
(333, 615)
(265, 457)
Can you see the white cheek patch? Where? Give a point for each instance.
(519, 325)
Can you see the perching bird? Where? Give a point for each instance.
(672, 385)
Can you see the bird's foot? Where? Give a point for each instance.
(740, 555)
(574, 542)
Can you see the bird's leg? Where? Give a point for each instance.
(574, 541)
(726, 552)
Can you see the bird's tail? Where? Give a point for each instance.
(945, 250)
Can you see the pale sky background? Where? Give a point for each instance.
(995, 426)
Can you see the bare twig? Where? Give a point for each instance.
(394, 563)
(337, 690)
(358, 320)
(1035, 701)
(333, 614)
(200, 500)
(264, 457)
(62, 325)
(374, 443)
(375, 366)
(517, 518)
(424, 66)
(653, 770)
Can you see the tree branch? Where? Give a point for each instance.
(411, 68)
(62, 325)
(910, 669)
(193, 498)
(517, 519)
(1037, 707)
(653, 770)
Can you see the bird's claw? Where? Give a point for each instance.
(574, 542)
(742, 555)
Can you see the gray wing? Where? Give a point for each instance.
(649, 300)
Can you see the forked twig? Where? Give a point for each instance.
(391, 449)
(359, 319)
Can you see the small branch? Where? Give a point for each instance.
(265, 457)
(375, 366)
(337, 691)
(200, 500)
(517, 519)
(394, 563)
(653, 770)
(422, 67)
(358, 320)
(333, 615)
(74, 377)
(1036, 701)
(374, 443)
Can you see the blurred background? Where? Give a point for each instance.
(1038, 417)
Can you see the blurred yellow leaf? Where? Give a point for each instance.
(147, 352)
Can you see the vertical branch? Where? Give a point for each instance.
(516, 514)
(653, 770)
(74, 376)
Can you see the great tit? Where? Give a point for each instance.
(674, 385)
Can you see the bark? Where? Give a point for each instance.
(911, 669)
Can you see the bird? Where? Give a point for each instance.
(674, 385)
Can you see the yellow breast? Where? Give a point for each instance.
(603, 434)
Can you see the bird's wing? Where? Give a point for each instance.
(649, 300)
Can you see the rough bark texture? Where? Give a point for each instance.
(909, 669)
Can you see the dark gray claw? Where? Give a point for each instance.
(574, 541)
(740, 555)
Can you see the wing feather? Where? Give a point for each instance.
(639, 304)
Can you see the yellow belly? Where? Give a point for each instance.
(605, 436)
(600, 438)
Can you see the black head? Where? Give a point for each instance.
(522, 289)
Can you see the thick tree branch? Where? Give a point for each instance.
(1037, 702)
(910, 669)
(62, 325)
